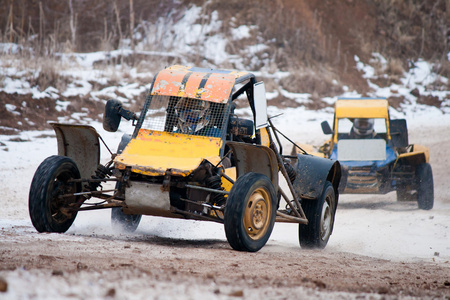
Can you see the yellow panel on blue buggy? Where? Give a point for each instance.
(367, 108)
(361, 108)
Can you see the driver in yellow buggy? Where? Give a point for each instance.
(194, 117)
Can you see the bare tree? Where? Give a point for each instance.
(73, 25)
(10, 25)
(131, 24)
(41, 25)
(116, 9)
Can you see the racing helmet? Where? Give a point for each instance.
(192, 114)
(363, 127)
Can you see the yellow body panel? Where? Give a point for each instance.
(361, 108)
(230, 172)
(265, 140)
(182, 81)
(370, 108)
(154, 152)
(418, 155)
(420, 148)
(310, 149)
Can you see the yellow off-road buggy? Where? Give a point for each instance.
(190, 156)
(375, 154)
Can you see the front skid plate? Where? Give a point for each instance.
(147, 198)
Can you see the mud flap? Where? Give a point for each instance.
(81, 143)
(312, 173)
(255, 158)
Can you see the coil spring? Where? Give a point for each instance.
(290, 171)
(101, 173)
(215, 182)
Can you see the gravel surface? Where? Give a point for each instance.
(380, 249)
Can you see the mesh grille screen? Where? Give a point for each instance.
(183, 115)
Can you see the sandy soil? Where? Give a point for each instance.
(101, 266)
(87, 262)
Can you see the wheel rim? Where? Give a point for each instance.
(326, 219)
(257, 212)
(59, 187)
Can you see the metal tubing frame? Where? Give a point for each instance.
(195, 216)
(206, 189)
(282, 217)
(284, 172)
(300, 214)
(100, 206)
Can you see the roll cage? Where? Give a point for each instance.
(237, 82)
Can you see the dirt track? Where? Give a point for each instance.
(210, 267)
(98, 264)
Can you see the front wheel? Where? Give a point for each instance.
(250, 212)
(320, 214)
(425, 188)
(51, 203)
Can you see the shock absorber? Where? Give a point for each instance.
(215, 182)
(100, 173)
(290, 171)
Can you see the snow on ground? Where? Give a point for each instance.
(370, 225)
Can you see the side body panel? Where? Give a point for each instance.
(419, 154)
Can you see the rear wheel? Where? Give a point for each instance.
(250, 212)
(320, 214)
(49, 210)
(425, 188)
(123, 222)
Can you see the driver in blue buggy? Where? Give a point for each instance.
(362, 129)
